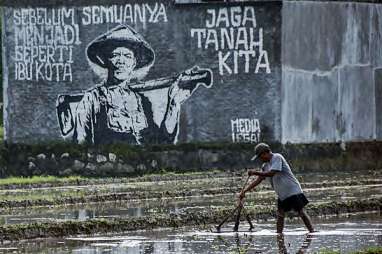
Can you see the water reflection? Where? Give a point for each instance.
(163, 206)
(303, 249)
(247, 244)
(263, 239)
(343, 236)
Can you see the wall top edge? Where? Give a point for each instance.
(51, 3)
(337, 1)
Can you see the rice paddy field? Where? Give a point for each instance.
(176, 213)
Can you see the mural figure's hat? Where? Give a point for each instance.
(99, 50)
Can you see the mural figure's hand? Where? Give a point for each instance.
(188, 81)
(181, 89)
(178, 95)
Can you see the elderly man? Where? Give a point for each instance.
(120, 109)
(288, 189)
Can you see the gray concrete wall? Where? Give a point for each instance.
(237, 94)
(331, 72)
(331, 77)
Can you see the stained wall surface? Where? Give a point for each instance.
(234, 72)
(331, 77)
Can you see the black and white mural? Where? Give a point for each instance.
(141, 72)
(118, 109)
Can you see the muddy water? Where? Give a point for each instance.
(162, 186)
(174, 205)
(345, 234)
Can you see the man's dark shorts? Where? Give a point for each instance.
(295, 202)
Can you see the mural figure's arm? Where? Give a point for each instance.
(84, 120)
(180, 90)
(176, 96)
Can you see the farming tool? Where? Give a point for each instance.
(238, 210)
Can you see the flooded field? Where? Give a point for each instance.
(177, 205)
(344, 234)
(54, 217)
(158, 188)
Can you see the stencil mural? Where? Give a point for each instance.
(141, 72)
(123, 108)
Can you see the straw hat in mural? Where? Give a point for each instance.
(100, 49)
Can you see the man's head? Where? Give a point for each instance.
(122, 63)
(109, 51)
(263, 152)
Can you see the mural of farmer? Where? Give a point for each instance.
(122, 109)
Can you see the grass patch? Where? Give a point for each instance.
(329, 252)
(370, 250)
(51, 198)
(39, 179)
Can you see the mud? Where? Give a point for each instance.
(124, 180)
(153, 202)
(137, 208)
(201, 219)
(135, 190)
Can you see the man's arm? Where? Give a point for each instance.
(256, 182)
(274, 168)
(263, 174)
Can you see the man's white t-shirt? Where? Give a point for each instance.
(283, 182)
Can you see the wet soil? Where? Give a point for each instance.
(116, 205)
(345, 234)
(159, 189)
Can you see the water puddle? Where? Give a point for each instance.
(344, 234)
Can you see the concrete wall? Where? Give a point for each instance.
(223, 98)
(329, 88)
(331, 77)
(67, 159)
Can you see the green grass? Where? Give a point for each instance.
(19, 180)
(370, 250)
(44, 196)
(329, 252)
(38, 179)
(1, 132)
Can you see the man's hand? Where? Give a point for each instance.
(241, 195)
(253, 172)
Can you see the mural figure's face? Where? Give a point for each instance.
(123, 62)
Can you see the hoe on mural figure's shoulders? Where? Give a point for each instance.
(190, 79)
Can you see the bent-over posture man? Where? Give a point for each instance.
(288, 189)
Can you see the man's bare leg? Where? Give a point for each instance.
(306, 219)
(281, 244)
(280, 221)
